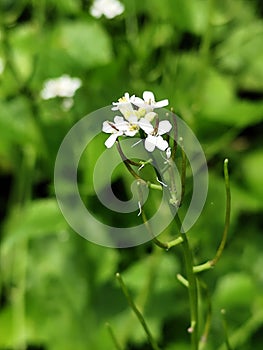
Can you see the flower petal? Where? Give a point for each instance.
(150, 116)
(150, 143)
(148, 97)
(137, 101)
(164, 127)
(161, 103)
(133, 120)
(146, 126)
(118, 119)
(106, 127)
(131, 132)
(111, 140)
(161, 143)
(120, 123)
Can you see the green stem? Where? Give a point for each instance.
(183, 174)
(113, 337)
(9, 56)
(175, 135)
(18, 295)
(192, 281)
(160, 244)
(191, 278)
(139, 315)
(227, 216)
(154, 186)
(207, 325)
(211, 263)
(204, 53)
(127, 162)
(182, 280)
(131, 23)
(206, 40)
(227, 343)
(192, 287)
(19, 273)
(241, 336)
(203, 267)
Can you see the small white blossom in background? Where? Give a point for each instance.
(138, 114)
(64, 87)
(108, 8)
(2, 66)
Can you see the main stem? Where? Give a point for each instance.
(190, 275)
(192, 287)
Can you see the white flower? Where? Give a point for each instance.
(121, 101)
(148, 102)
(138, 113)
(108, 8)
(129, 110)
(124, 106)
(154, 138)
(2, 66)
(118, 128)
(64, 86)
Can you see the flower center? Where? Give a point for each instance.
(133, 127)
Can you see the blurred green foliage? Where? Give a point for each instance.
(206, 56)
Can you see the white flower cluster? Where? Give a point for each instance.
(108, 8)
(64, 87)
(138, 114)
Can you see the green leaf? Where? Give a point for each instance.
(252, 166)
(40, 217)
(228, 292)
(16, 124)
(85, 42)
(220, 104)
(190, 16)
(6, 330)
(240, 48)
(25, 43)
(217, 94)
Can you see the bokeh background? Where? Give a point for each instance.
(206, 56)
